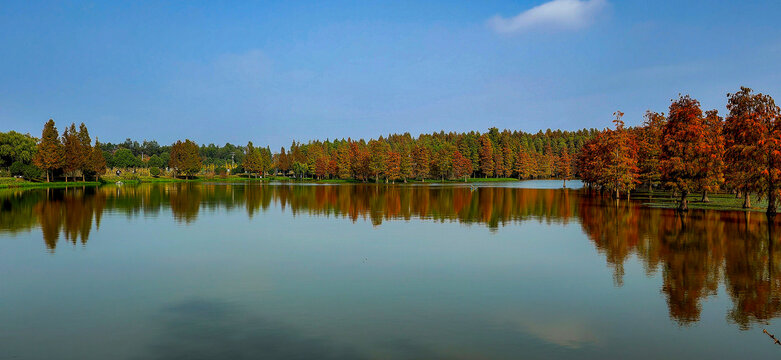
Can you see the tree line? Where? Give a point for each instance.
(689, 151)
(397, 157)
(685, 151)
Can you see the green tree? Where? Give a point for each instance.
(16, 147)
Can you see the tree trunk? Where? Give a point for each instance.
(747, 201)
(47, 175)
(771, 203)
(565, 182)
(705, 196)
(684, 204)
(618, 194)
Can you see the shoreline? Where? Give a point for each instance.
(655, 199)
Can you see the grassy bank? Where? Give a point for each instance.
(9, 183)
(718, 201)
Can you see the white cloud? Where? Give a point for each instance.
(554, 15)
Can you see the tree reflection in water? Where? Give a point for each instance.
(693, 253)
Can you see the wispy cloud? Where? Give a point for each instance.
(553, 15)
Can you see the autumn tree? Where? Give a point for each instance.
(405, 166)
(443, 162)
(714, 162)
(97, 163)
(421, 160)
(486, 156)
(686, 149)
(252, 162)
(649, 146)
(85, 147)
(184, 158)
(565, 166)
(393, 166)
(343, 161)
(524, 166)
(752, 134)
(49, 155)
(462, 166)
(378, 150)
(74, 155)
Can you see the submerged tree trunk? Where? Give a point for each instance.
(705, 197)
(747, 201)
(684, 204)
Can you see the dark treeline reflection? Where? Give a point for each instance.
(693, 253)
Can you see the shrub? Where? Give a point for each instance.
(32, 172)
(220, 171)
(17, 168)
(27, 171)
(154, 171)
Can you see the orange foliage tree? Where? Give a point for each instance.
(752, 134)
(687, 151)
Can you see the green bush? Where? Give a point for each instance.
(155, 171)
(32, 172)
(17, 168)
(220, 171)
(27, 171)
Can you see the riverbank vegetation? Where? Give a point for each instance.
(686, 151)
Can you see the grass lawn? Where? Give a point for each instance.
(9, 182)
(718, 201)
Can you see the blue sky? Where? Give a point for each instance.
(272, 72)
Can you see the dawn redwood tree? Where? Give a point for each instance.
(378, 150)
(686, 151)
(406, 164)
(393, 166)
(49, 155)
(524, 165)
(72, 148)
(620, 150)
(714, 163)
(343, 161)
(462, 166)
(421, 160)
(184, 158)
(97, 163)
(565, 165)
(486, 156)
(85, 147)
(649, 146)
(252, 162)
(752, 133)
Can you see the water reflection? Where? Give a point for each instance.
(693, 254)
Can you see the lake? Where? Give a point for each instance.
(284, 271)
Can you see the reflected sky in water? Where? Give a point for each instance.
(498, 271)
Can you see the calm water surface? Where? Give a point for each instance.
(504, 271)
